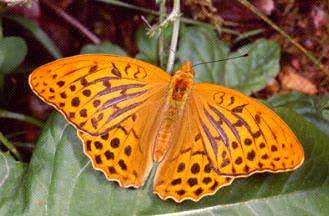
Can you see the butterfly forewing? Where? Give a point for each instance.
(95, 92)
(243, 136)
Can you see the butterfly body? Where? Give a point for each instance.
(129, 114)
(178, 94)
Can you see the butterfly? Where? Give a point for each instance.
(130, 114)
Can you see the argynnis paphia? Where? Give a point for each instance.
(129, 113)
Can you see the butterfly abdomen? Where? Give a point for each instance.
(163, 140)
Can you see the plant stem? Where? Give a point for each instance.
(26, 145)
(72, 21)
(20, 117)
(174, 37)
(287, 36)
(10, 146)
(161, 42)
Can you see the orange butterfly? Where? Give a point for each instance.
(129, 113)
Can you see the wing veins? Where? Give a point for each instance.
(109, 90)
(113, 101)
(119, 112)
(220, 131)
(228, 123)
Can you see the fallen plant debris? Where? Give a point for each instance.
(293, 81)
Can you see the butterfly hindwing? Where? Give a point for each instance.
(95, 92)
(124, 154)
(185, 172)
(243, 136)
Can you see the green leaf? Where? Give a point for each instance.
(60, 181)
(248, 34)
(105, 47)
(200, 44)
(2, 76)
(2, 57)
(324, 106)
(313, 108)
(253, 72)
(148, 46)
(11, 174)
(39, 34)
(13, 51)
(159, 1)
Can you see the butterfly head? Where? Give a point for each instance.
(187, 69)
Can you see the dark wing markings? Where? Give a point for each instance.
(120, 112)
(228, 123)
(111, 90)
(210, 138)
(218, 128)
(109, 103)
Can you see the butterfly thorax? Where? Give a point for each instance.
(179, 90)
(181, 83)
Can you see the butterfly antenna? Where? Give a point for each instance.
(225, 59)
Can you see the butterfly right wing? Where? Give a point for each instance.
(185, 173)
(243, 136)
(223, 135)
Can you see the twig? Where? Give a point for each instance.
(72, 21)
(146, 22)
(161, 42)
(169, 19)
(288, 37)
(183, 19)
(174, 38)
(10, 146)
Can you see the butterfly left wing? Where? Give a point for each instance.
(124, 154)
(112, 101)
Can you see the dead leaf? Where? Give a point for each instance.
(273, 87)
(291, 80)
(266, 6)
